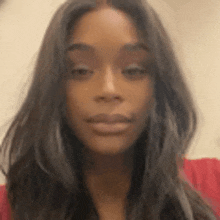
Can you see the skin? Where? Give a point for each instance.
(107, 89)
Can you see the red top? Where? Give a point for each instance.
(203, 174)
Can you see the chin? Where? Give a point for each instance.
(107, 149)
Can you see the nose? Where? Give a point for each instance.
(109, 90)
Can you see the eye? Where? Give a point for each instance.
(134, 71)
(81, 71)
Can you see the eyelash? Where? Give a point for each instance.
(79, 69)
(142, 71)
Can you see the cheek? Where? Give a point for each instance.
(74, 96)
(142, 95)
(74, 115)
(73, 104)
(142, 100)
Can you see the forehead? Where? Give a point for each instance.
(104, 24)
(105, 30)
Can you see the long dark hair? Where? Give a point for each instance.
(44, 157)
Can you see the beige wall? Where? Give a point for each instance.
(198, 26)
(193, 25)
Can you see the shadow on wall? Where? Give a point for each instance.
(1, 2)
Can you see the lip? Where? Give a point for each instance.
(109, 119)
(110, 128)
(109, 124)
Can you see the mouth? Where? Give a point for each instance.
(105, 124)
(105, 118)
(104, 128)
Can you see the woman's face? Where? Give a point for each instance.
(106, 76)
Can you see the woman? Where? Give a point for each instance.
(105, 122)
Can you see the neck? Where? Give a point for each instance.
(99, 164)
(108, 177)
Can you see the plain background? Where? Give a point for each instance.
(194, 26)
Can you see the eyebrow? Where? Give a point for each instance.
(129, 47)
